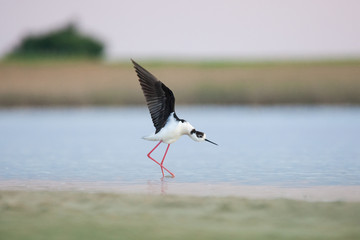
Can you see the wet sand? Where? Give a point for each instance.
(166, 187)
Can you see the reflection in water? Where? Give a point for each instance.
(281, 146)
(163, 185)
(157, 187)
(160, 186)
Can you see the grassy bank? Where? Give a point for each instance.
(97, 83)
(76, 215)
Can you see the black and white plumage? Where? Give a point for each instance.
(161, 103)
(159, 98)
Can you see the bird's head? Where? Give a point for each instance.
(199, 136)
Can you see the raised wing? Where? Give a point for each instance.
(159, 98)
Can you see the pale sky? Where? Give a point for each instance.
(243, 29)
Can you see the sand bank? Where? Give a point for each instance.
(166, 187)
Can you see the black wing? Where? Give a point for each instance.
(159, 98)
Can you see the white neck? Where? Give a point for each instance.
(186, 128)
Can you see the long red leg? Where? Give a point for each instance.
(153, 150)
(162, 167)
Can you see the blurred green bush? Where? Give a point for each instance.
(66, 42)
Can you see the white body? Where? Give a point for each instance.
(172, 131)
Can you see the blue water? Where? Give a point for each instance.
(282, 146)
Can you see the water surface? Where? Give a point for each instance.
(281, 146)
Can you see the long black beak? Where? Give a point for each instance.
(210, 142)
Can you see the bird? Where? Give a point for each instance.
(161, 104)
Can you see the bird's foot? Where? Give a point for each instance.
(162, 171)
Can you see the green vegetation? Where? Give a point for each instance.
(76, 215)
(49, 83)
(66, 42)
(214, 63)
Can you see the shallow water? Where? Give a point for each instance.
(279, 146)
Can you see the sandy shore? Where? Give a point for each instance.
(315, 193)
(49, 210)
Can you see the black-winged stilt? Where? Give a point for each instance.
(161, 103)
